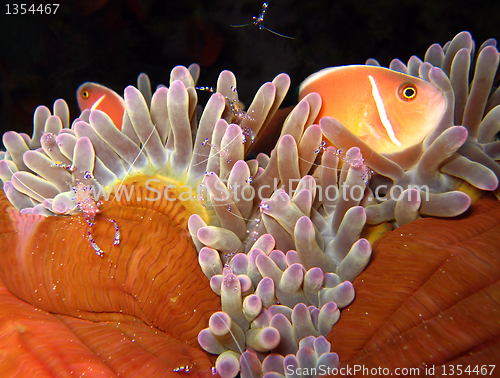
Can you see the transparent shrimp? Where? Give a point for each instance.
(259, 21)
(90, 208)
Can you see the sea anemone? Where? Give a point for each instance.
(234, 206)
(280, 237)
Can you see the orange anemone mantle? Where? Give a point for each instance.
(65, 310)
(430, 295)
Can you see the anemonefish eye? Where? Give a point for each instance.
(407, 91)
(85, 93)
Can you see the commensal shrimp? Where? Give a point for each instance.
(87, 204)
(238, 114)
(259, 22)
(89, 207)
(357, 163)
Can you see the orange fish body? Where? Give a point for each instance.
(388, 110)
(95, 96)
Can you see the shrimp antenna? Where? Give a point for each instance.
(276, 33)
(231, 333)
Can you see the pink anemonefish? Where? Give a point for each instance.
(388, 110)
(95, 96)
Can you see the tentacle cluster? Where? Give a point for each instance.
(299, 247)
(156, 138)
(313, 358)
(474, 104)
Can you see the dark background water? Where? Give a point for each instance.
(45, 57)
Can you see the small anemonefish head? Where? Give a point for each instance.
(95, 96)
(388, 110)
